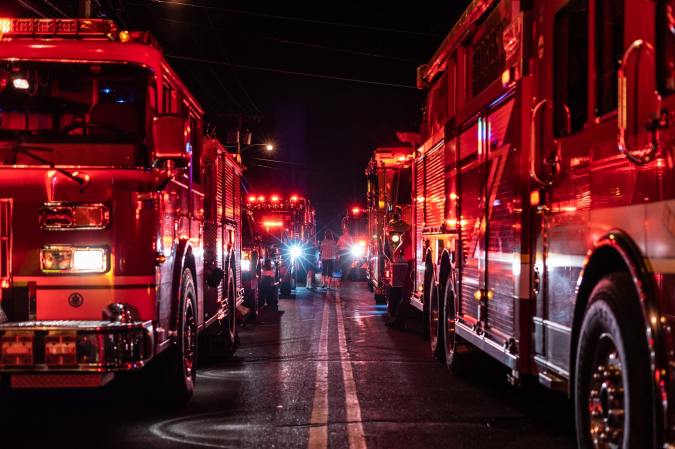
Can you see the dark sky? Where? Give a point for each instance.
(263, 61)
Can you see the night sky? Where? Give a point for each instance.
(273, 65)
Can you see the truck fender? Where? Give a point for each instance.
(182, 260)
(616, 251)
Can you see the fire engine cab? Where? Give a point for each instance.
(119, 219)
(389, 195)
(288, 228)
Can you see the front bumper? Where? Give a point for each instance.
(75, 346)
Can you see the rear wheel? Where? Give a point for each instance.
(435, 319)
(455, 349)
(612, 392)
(230, 323)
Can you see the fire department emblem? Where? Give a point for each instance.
(75, 300)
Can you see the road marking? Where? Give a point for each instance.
(318, 431)
(357, 439)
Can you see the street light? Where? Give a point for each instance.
(268, 147)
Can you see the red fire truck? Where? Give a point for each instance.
(288, 230)
(544, 224)
(119, 219)
(389, 190)
(355, 223)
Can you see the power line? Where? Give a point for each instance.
(290, 72)
(299, 43)
(296, 19)
(234, 73)
(55, 8)
(30, 7)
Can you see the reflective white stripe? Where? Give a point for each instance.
(318, 432)
(355, 434)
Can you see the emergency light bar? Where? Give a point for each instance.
(22, 28)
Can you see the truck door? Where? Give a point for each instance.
(560, 171)
(471, 190)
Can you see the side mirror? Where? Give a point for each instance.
(170, 142)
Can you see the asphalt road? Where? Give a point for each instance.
(322, 371)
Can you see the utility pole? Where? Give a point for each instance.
(85, 9)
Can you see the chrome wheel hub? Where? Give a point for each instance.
(606, 403)
(189, 342)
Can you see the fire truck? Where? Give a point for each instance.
(355, 224)
(389, 191)
(288, 227)
(544, 224)
(119, 218)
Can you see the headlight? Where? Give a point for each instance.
(395, 238)
(295, 251)
(63, 259)
(357, 250)
(245, 265)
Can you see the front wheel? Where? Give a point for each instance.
(612, 392)
(177, 366)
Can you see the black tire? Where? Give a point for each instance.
(455, 349)
(380, 298)
(177, 366)
(435, 316)
(612, 375)
(230, 330)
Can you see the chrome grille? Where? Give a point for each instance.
(5, 241)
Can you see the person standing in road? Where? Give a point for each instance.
(328, 251)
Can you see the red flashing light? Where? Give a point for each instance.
(251, 199)
(294, 198)
(5, 27)
(261, 198)
(57, 27)
(275, 198)
(356, 210)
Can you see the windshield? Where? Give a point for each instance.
(76, 113)
(275, 226)
(357, 225)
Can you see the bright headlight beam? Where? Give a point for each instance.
(295, 251)
(245, 265)
(357, 250)
(91, 260)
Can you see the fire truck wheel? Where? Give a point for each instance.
(380, 298)
(612, 402)
(230, 324)
(435, 318)
(180, 361)
(455, 348)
